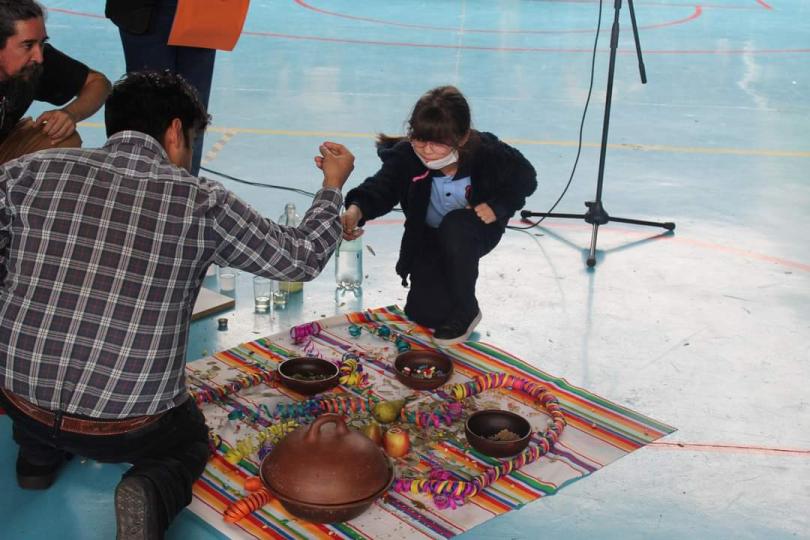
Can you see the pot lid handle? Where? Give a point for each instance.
(315, 429)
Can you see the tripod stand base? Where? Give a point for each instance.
(596, 216)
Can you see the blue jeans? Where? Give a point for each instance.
(150, 51)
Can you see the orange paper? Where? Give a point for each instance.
(210, 24)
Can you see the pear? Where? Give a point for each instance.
(387, 411)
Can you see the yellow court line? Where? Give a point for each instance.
(637, 147)
(673, 149)
(218, 146)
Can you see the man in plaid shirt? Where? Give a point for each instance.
(102, 254)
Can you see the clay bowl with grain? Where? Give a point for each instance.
(308, 375)
(498, 433)
(408, 364)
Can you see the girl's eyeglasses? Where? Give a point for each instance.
(431, 147)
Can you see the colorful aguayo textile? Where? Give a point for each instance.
(248, 413)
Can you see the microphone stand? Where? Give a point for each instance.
(596, 214)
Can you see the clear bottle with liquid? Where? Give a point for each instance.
(349, 264)
(291, 219)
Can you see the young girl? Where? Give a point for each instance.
(458, 188)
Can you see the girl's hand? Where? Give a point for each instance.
(485, 213)
(350, 218)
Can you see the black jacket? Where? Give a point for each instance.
(499, 176)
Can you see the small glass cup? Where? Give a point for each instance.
(262, 294)
(279, 295)
(227, 278)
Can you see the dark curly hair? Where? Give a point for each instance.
(148, 101)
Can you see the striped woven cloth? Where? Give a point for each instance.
(598, 432)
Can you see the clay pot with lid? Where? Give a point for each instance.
(326, 472)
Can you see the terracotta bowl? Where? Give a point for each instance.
(481, 425)
(305, 366)
(325, 472)
(421, 359)
(330, 513)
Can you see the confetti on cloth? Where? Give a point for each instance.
(598, 432)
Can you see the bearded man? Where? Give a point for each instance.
(31, 69)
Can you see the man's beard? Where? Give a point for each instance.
(16, 95)
(20, 89)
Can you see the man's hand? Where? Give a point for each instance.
(57, 124)
(336, 162)
(485, 213)
(350, 218)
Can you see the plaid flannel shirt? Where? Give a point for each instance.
(102, 254)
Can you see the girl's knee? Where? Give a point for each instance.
(457, 226)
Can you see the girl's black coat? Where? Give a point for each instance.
(499, 176)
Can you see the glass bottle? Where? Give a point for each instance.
(290, 219)
(349, 264)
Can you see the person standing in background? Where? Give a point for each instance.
(145, 26)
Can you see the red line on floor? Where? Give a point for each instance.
(519, 49)
(748, 254)
(660, 237)
(77, 13)
(726, 52)
(765, 5)
(745, 449)
(695, 14)
(703, 5)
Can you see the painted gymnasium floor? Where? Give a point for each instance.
(705, 329)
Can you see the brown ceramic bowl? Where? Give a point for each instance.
(330, 513)
(420, 359)
(481, 425)
(306, 366)
(325, 472)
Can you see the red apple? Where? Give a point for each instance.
(373, 431)
(397, 443)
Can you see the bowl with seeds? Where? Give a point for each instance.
(423, 370)
(308, 375)
(498, 433)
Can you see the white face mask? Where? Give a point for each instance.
(437, 164)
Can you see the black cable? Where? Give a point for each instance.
(581, 125)
(270, 186)
(258, 184)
